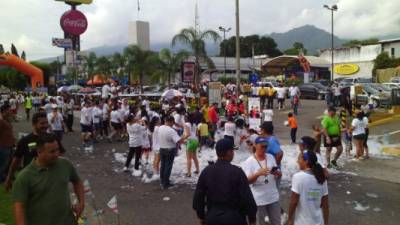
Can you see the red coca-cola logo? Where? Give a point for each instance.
(73, 22)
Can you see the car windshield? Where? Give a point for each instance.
(363, 80)
(370, 89)
(381, 87)
(320, 86)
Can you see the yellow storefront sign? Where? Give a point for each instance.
(346, 69)
(77, 1)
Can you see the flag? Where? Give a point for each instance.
(86, 187)
(112, 204)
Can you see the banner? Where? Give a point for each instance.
(62, 42)
(255, 114)
(112, 204)
(214, 93)
(188, 70)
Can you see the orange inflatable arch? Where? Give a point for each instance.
(20, 65)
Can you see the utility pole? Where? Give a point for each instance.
(224, 30)
(332, 9)
(237, 50)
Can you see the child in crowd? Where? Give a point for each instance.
(348, 140)
(292, 123)
(202, 131)
(146, 142)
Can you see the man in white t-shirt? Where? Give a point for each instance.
(97, 118)
(168, 141)
(56, 122)
(230, 129)
(281, 95)
(86, 122)
(261, 171)
(105, 91)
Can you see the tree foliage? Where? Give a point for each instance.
(297, 48)
(384, 61)
(170, 63)
(261, 45)
(370, 41)
(196, 40)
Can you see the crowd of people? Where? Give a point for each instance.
(252, 191)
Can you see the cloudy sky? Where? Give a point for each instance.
(31, 24)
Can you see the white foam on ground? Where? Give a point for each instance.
(359, 207)
(289, 162)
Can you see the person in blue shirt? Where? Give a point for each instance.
(273, 147)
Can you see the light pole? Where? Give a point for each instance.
(237, 50)
(332, 9)
(225, 30)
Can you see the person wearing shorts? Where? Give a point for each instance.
(192, 145)
(86, 123)
(332, 136)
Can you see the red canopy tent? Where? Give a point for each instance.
(99, 80)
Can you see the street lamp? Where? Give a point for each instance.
(237, 48)
(225, 30)
(332, 9)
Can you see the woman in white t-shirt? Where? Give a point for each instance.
(309, 201)
(230, 129)
(116, 123)
(261, 171)
(155, 123)
(146, 142)
(135, 131)
(358, 127)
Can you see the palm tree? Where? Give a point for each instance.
(140, 63)
(90, 64)
(196, 41)
(170, 62)
(103, 66)
(118, 62)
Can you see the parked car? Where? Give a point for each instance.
(395, 80)
(322, 82)
(313, 91)
(392, 85)
(379, 98)
(381, 87)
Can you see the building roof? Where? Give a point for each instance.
(285, 60)
(246, 64)
(390, 40)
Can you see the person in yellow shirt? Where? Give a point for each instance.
(202, 131)
(28, 105)
(263, 95)
(204, 110)
(270, 94)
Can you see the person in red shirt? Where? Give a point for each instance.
(292, 122)
(231, 108)
(213, 117)
(241, 107)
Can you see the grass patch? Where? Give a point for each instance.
(6, 215)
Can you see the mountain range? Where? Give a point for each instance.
(313, 39)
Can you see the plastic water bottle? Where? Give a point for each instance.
(386, 138)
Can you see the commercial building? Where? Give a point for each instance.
(358, 61)
(139, 34)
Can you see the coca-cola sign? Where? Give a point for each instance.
(73, 22)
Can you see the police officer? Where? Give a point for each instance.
(223, 195)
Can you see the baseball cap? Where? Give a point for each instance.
(224, 145)
(261, 140)
(308, 142)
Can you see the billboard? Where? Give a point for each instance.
(76, 1)
(214, 93)
(188, 70)
(62, 42)
(74, 22)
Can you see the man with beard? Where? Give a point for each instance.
(27, 146)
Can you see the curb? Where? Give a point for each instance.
(383, 121)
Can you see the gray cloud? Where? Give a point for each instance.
(33, 23)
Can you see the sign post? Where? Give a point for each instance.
(214, 93)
